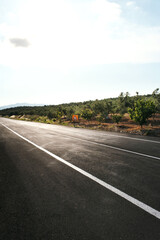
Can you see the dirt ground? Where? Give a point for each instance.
(126, 126)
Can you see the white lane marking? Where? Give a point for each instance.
(134, 201)
(138, 139)
(108, 146)
(73, 131)
(105, 134)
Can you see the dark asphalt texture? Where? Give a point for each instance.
(42, 198)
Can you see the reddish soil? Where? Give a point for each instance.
(126, 125)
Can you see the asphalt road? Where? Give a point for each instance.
(41, 197)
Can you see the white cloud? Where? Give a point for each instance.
(130, 3)
(106, 11)
(61, 37)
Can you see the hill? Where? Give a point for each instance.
(19, 105)
(101, 114)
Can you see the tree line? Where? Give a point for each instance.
(139, 107)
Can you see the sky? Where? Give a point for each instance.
(63, 51)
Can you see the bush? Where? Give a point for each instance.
(141, 111)
(116, 118)
(87, 114)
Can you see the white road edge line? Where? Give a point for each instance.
(137, 139)
(103, 134)
(112, 147)
(133, 138)
(134, 201)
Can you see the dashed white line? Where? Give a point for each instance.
(132, 200)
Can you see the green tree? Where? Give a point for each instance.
(116, 118)
(59, 116)
(108, 107)
(122, 103)
(87, 114)
(142, 110)
(156, 98)
(69, 113)
(98, 107)
(50, 115)
(155, 93)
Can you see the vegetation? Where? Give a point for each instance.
(87, 114)
(140, 108)
(116, 118)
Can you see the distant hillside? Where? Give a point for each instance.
(97, 109)
(20, 105)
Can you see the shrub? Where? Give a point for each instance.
(141, 111)
(116, 118)
(87, 114)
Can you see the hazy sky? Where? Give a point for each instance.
(57, 51)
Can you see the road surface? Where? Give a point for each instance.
(67, 183)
